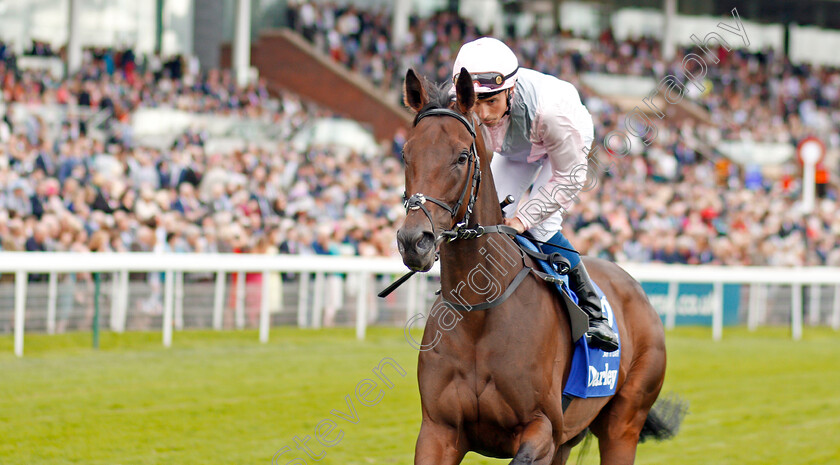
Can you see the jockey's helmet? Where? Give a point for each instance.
(491, 63)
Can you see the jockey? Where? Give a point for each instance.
(540, 133)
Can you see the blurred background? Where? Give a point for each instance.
(208, 165)
(275, 127)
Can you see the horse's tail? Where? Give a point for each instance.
(663, 420)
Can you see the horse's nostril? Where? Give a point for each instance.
(426, 242)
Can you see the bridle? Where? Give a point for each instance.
(462, 231)
(417, 201)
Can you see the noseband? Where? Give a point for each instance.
(418, 200)
(461, 231)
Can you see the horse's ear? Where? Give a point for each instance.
(414, 95)
(465, 92)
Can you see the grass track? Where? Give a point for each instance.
(223, 398)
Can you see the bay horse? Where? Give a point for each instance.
(493, 383)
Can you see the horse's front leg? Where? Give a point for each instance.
(439, 445)
(536, 444)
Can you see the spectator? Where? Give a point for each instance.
(55, 181)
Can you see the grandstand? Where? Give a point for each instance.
(152, 148)
(174, 166)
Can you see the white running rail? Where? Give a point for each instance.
(21, 264)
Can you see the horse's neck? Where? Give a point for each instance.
(477, 270)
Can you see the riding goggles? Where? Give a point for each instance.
(490, 80)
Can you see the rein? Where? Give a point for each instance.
(462, 231)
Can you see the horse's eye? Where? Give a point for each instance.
(463, 157)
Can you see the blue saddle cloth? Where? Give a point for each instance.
(594, 373)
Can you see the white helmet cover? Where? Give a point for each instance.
(485, 56)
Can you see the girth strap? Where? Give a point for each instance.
(567, 399)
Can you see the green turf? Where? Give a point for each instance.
(223, 398)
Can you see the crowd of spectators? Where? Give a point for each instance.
(65, 190)
(759, 96)
(677, 200)
(668, 202)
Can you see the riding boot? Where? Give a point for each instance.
(600, 335)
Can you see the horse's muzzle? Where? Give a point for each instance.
(417, 248)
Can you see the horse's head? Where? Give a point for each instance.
(441, 166)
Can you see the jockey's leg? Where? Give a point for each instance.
(600, 334)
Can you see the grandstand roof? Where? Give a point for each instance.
(804, 12)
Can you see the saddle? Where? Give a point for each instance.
(554, 269)
(593, 372)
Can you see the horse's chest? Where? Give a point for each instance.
(499, 379)
(503, 397)
(469, 399)
(488, 393)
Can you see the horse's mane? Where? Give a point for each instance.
(439, 96)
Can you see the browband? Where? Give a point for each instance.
(446, 112)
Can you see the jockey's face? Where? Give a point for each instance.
(491, 110)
